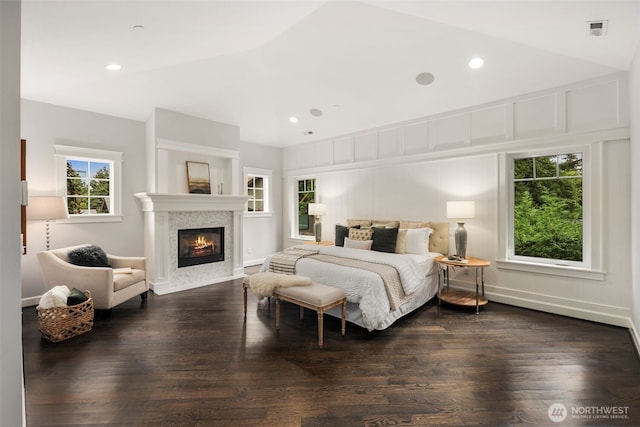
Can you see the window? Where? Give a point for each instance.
(257, 190)
(90, 180)
(306, 195)
(549, 218)
(548, 207)
(89, 186)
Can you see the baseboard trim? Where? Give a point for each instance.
(610, 315)
(31, 301)
(164, 288)
(633, 331)
(253, 262)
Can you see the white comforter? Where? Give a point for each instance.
(365, 287)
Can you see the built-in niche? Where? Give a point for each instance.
(172, 164)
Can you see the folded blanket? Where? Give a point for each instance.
(55, 297)
(285, 262)
(263, 284)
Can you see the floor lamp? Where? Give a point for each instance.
(46, 208)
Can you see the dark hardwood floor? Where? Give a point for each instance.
(191, 358)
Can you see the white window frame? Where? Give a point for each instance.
(295, 230)
(591, 266)
(67, 152)
(267, 176)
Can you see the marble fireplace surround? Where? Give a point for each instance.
(165, 213)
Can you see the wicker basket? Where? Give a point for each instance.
(61, 323)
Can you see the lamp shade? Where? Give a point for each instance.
(317, 209)
(461, 209)
(48, 207)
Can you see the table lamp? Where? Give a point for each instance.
(317, 209)
(461, 210)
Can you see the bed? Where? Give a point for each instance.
(381, 287)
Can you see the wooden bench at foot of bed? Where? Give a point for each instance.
(317, 297)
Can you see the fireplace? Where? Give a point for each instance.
(200, 246)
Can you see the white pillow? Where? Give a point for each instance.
(358, 244)
(418, 241)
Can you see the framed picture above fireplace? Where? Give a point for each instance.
(198, 178)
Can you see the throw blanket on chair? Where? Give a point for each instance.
(285, 262)
(263, 284)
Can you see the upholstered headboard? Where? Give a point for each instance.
(438, 242)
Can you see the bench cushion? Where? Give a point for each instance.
(315, 294)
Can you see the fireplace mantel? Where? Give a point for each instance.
(172, 202)
(165, 213)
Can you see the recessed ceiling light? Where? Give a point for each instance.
(425, 79)
(315, 112)
(114, 67)
(476, 63)
(293, 119)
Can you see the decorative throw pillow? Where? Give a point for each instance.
(360, 234)
(89, 256)
(384, 239)
(418, 241)
(342, 232)
(358, 244)
(401, 241)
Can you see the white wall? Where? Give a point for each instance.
(634, 83)
(11, 390)
(171, 140)
(262, 234)
(194, 130)
(409, 170)
(44, 125)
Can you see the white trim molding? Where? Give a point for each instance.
(63, 152)
(164, 212)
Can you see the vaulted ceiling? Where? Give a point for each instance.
(256, 63)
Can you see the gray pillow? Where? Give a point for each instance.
(76, 296)
(384, 239)
(89, 256)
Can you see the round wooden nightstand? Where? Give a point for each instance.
(464, 298)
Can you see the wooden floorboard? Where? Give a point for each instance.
(192, 359)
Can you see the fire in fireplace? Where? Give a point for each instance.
(200, 246)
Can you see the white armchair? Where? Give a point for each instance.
(107, 288)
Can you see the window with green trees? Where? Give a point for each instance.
(89, 187)
(548, 207)
(306, 195)
(257, 189)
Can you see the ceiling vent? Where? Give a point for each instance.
(597, 28)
